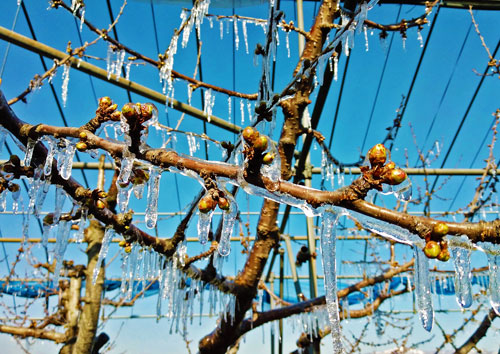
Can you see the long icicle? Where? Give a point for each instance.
(423, 289)
(328, 238)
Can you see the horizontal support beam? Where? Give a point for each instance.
(95, 71)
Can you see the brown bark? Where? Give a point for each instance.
(34, 333)
(87, 325)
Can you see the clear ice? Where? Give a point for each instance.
(153, 191)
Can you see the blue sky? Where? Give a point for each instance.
(442, 66)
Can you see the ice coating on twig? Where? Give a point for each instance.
(30, 146)
(60, 247)
(79, 236)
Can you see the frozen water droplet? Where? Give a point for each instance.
(403, 191)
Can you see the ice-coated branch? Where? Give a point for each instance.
(261, 318)
(156, 63)
(119, 222)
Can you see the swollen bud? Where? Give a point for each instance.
(444, 255)
(105, 101)
(268, 158)
(395, 177)
(81, 146)
(432, 249)
(440, 229)
(250, 134)
(377, 155)
(390, 165)
(128, 110)
(147, 111)
(260, 143)
(206, 204)
(223, 203)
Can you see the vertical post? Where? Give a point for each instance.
(271, 304)
(300, 20)
(282, 277)
(295, 278)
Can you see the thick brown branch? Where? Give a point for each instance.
(25, 332)
(479, 333)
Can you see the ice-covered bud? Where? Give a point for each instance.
(268, 158)
(81, 146)
(82, 135)
(395, 177)
(444, 255)
(100, 204)
(390, 165)
(102, 194)
(128, 110)
(432, 249)
(112, 108)
(122, 243)
(260, 143)
(377, 155)
(206, 204)
(115, 116)
(147, 112)
(223, 203)
(250, 134)
(105, 102)
(440, 229)
(13, 187)
(128, 249)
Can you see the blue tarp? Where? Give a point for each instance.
(33, 289)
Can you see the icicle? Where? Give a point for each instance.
(65, 159)
(365, 30)
(59, 203)
(79, 236)
(221, 27)
(47, 169)
(229, 104)
(3, 136)
(125, 170)
(139, 190)
(153, 190)
(242, 110)
(461, 259)
(191, 143)
(118, 64)
(423, 289)
(61, 245)
(106, 241)
(166, 68)
(123, 197)
(493, 253)
(127, 70)
(204, 223)
(328, 236)
(245, 35)
(249, 109)
(273, 170)
(82, 18)
(41, 195)
(236, 36)
(65, 83)
(131, 270)
(30, 146)
(109, 63)
(3, 201)
(287, 40)
(420, 39)
(228, 221)
(209, 103)
(335, 67)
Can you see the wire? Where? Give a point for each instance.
(379, 84)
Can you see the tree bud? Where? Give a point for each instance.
(223, 203)
(105, 101)
(206, 204)
(395, 176)
(440, 229)
(260, 143)
(268, 158)
(432, 249)
(377, 155)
